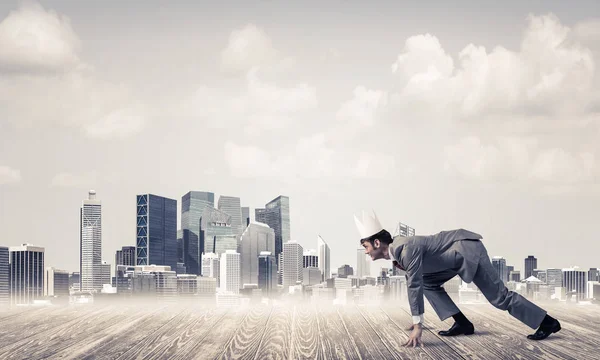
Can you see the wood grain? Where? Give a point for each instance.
(282, 331)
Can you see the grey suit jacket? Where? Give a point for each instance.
(420, 255)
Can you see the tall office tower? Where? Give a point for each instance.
(292, 264)
(231, 205)
(180, 246)
(125, 256)
(575, 282)
(4, 277)
(594, 274)
(276, 214)
(26, 273)
(230, 271)
(256, 239)
(245, 216)
(105, 273)
(90, 249)
(404, 230)
(267, 272)
(156, 242)
(509, 268)
(530, 264)
(324, 258)
(345, 270)
(280, 269)
(363, 267)
(554, 279)
(500, 265)
(56, 282)
(311, 258)
(193, 205)
(514, 276)
(211, 266)
(216, 233)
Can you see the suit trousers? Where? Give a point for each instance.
(491, 286)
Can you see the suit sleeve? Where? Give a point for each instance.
(414, 279)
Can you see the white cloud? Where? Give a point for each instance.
(49, 86)
(549, 75)
(9, 175)
(363, 108)
(35, 40)
(248, 47)
(521, 159)
(262, 106)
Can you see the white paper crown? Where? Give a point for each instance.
(369, 225)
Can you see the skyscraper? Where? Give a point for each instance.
(292, 263)
(193, 205)
(90, 249)
(276, 214)
(211, 266)
(230, 271)
(156, 242)
(500, 265)
(4, 277)
(324, 258)
(125, 256)
(575, 282)
(216, 232)
(267, 272)
(311, 258)
(26, 273)
(362, 264)
(231, 205)
(257, 238)
(530, 264)
(404, 230)
(245, 216)
(56, 282)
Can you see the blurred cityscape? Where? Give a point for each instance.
(222, 257)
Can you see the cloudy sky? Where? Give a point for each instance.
(438, 115)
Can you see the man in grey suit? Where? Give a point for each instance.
(430, 261)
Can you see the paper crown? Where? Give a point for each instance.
(369, 225)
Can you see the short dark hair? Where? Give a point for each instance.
(383, 236)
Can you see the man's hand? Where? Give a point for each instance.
(415, 336)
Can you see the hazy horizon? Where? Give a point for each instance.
(441, 116)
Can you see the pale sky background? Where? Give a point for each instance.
(440, 115)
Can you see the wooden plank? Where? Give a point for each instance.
(48, 345)
(277, 341)
(394, 336)
(49, 326)
(367, 342)
(245, 342)
(489, 339)
(56, 336)
(117, 343)
(337, 343)
(209, 344)
(567, 344)
(307, 340)
(28, 323)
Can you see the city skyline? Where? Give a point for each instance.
(392, 110)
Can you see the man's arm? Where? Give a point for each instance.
(414, 281)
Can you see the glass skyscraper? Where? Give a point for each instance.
(232, 206)
(193, 205)
(90, 249)
(276, 214)
(156, 231)
(530, 265)
(26, 273)
(217, 234)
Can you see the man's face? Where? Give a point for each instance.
(376, 250)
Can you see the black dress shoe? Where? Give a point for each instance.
(457, 329)
(549, 326)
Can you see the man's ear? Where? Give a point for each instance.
(377, 243)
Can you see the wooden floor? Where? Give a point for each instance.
(283, 332)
